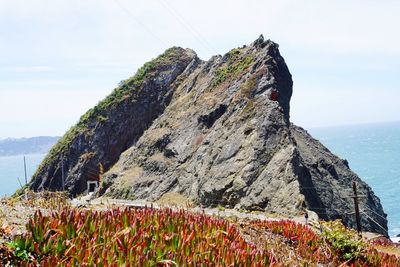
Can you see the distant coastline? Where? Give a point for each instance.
(25, 146)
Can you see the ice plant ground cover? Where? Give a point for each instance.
(152, 237)
(140, 237)
(336, 244)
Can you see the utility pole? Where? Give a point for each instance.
(62, 173)
(20, 184)
(101, 172)
(355, 197)
(26, 179)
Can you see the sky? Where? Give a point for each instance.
(58, 58)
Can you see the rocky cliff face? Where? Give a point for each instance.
(217, 132)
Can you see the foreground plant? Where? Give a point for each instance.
(144, 237)
(354, 251)
(308, 245)
(150, 237)
(345, 242)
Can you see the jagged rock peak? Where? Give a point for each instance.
(216, 132)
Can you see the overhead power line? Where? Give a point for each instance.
(141, 24)
(377, 224)
(188, 26)
(377, 214)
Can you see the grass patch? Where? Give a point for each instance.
(248, 87)
(248, 109)
(237, 63)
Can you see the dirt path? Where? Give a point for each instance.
(99, 203)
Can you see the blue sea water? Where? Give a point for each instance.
(373, 152)
(12, 168)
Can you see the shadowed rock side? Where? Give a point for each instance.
(116, 123)
(217, 132)
(326, 182)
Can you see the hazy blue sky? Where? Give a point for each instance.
(60, 57)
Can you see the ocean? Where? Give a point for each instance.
(373, 152)
(12, 169)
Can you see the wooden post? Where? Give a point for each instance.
(358, 219)
(62, 173)
(101, 172)
(26, 178)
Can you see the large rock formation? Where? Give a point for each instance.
(217, 132)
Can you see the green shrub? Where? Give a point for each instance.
(345, 241)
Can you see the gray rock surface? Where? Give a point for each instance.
(218, 133)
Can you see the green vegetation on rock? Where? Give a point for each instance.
(98, 114)
(248, 87)
(237, 63)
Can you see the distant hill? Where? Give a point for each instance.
(33, 145)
